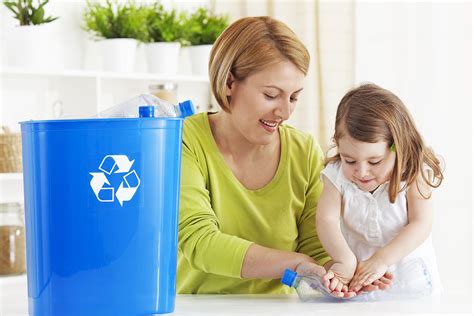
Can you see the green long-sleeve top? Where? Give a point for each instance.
(219, 218)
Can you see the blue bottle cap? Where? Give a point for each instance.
(289, 277)
(146, 111)
(186, 108)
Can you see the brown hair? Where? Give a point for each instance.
(371, 114)
(249, 45)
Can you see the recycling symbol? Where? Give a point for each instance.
(110, 166)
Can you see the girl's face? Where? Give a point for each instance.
(368, 165)
(264, 100)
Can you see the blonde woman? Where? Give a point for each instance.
(250, 184)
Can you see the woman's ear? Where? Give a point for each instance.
(229, 83)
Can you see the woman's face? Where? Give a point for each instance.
(264, 100)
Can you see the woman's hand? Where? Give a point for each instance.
(308, 268)
(369, 272)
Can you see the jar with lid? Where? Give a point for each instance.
(165, 91)
(12, 239)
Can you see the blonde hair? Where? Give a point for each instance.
(249, 45)
(371, 114)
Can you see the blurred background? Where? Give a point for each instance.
(422, 51)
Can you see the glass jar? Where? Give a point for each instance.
(167, 91)
(12, 239)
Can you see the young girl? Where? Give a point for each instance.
(375, 212)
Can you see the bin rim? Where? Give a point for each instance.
(101, 123)
(103, 119)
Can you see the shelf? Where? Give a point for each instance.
(13, 279)
(11, 176)
(6, 71)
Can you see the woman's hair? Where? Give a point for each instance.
(249, 45)
(371, 114)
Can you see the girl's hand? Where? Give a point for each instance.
(369, 272)
(327, 277)
(342, 272)
(381, 284)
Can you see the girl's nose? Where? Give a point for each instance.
(362, 171)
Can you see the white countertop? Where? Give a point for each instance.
(13, 302)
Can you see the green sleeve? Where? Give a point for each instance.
(308, 241)
(200, 240)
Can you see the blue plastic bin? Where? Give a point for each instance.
(101, 204)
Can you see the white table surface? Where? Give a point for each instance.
(13, 302)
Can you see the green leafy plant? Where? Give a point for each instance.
(115, 20)
(27, 13)
(164, 26)
(202, 27)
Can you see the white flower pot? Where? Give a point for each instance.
(34, 47)
(118, 54)
(163, 57)
(200, 59)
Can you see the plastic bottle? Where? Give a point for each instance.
(308, 287)
(161, 108)
(411, 280)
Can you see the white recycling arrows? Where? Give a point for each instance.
(128, 186)
(121, 161)
(97, 183)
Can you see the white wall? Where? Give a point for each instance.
(422, 51)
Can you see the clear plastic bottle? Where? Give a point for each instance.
(411, 280)
(161, 108)
(308, 287)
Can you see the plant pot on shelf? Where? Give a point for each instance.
(34, 47)
(199, 55)
(163, 57)
(118, 54)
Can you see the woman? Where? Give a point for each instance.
(250, 185)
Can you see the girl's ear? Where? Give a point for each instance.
(230, 81)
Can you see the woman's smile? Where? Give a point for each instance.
(269, 126)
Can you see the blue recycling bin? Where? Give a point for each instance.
(101, 206)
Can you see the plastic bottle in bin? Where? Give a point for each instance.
(161, 108)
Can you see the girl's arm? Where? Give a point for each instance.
(420, 219)
(328, 217)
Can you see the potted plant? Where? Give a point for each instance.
(200, 31)
(32, 43)
(163, 42)
(117, 27)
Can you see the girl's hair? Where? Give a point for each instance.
(371, 114)
(249, 45)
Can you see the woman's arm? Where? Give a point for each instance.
(267, 263)
(420, 219)
(200, 238)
